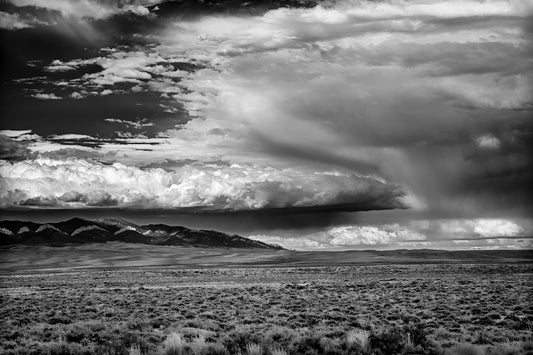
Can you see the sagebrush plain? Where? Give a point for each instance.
(238, 308)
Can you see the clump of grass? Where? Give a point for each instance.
(359, 338)
(63, 348)
(135, 349)
(253, 349)
(277, 351)
(174, 344)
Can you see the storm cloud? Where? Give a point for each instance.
(328, 107)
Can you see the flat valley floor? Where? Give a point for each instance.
(52, 302)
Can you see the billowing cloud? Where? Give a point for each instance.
(46, 182)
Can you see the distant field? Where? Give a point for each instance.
(56, 304)
(20, 258)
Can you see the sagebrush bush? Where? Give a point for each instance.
(215, 349)
(390, 341)
(306, 344)
(417, 334)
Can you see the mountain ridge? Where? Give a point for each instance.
(83, 230)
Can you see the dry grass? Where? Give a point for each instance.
(359, 338)
(277, 351)
(134, 350)
(174, 344)
(254, 349)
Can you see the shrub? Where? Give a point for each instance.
(215, 349)
(237, 340)
(306, 345)
(331, 346)
(387, 342)
(280, 335)
(417, 335)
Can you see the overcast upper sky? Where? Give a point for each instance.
(311, 124)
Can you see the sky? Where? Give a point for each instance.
(324, 125)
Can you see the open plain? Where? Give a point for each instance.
(283, 305)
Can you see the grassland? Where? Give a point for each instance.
(231, 307)
(112, 255)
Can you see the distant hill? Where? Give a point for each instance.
(82, 231)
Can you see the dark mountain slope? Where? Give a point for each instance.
(80, 230)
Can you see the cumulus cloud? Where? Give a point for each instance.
(78, 183)
(482, 228)
(43, 96)
(123, 67)
(438, 234)
(371, 235)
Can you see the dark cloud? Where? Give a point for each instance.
(232, 222)
(190, 9)
(169, 164)
(13, 150)
(448, 58)
(73, 153)
(39, 201)
(97, 198)
(500, 168)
